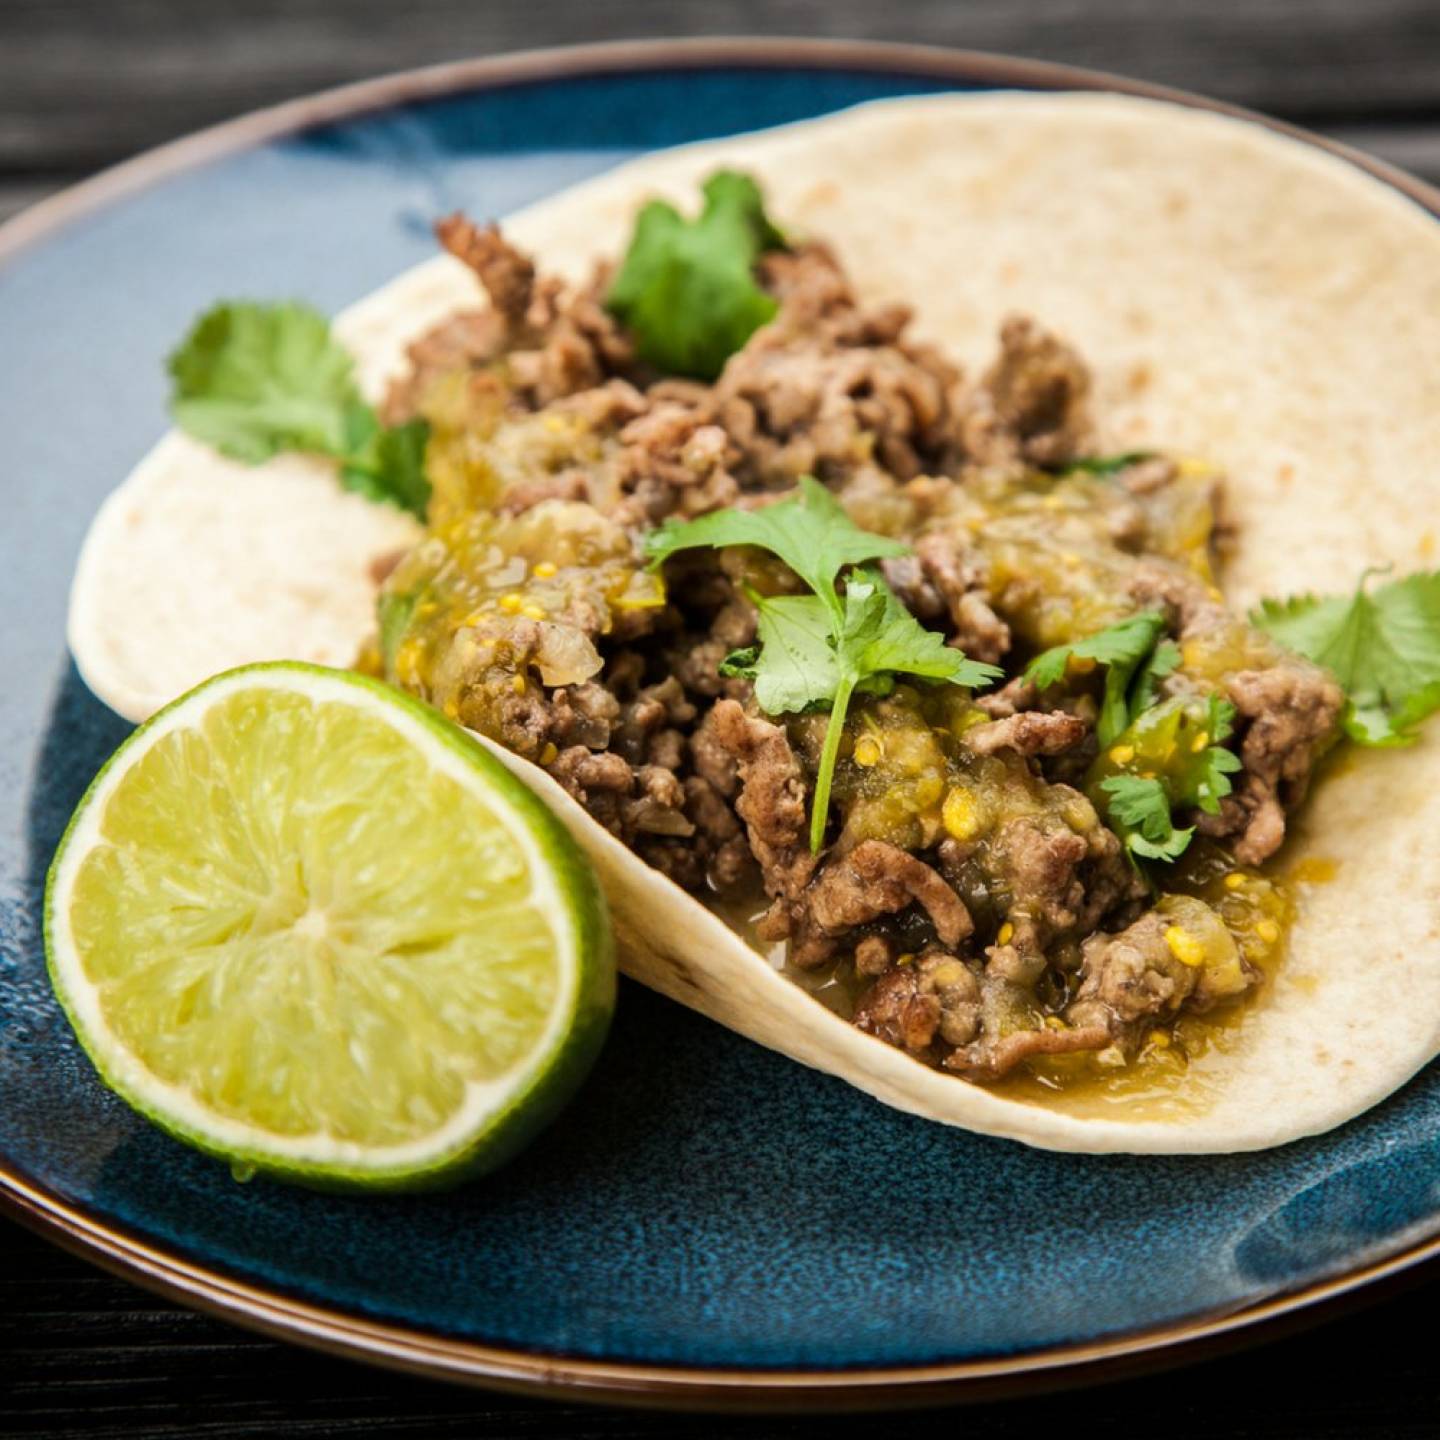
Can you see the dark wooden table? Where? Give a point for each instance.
(86, 82)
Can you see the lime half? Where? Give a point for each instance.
(305, 924)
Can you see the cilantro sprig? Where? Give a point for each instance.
(1381, 644)
(686, 288)
(818, 651)
(1163, 660)
(1157, 756)
(1171, 757)
(255, 381)
(1123, 648)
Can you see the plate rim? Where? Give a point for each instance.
(273, 1312)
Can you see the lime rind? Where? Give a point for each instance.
(497, 1118)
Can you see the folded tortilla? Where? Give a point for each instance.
(1239, 295)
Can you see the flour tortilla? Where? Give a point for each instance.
(1241, 296)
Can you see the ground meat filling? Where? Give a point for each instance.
(971, 897)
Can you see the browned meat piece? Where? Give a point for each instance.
(824, 409)
(1252, 813)
(1033, 404)
(935, 999)
(600, 781)
(990, 1059)
(1013, 697)
(676, 459)
(680, 860)
(582, 715)
(606, 407)
(957, 987)
(562, 362)
(598, 328)
(555, 341)
(1050, 882)
(1131, 976)
(942, 1011)
(696, 660)
(730, 860)
(715, 761)
(666, 748)
(772, 799)
(659, 804)
(1192, 606)
(896, 1011)
(465, 342)
(956, 578)
(507, 702)
(628, 801)
(1040, 864)
(810, 285)
(876, 878)
(1293, 709)
(655, 709)
(522, 721)
(566, 485)
(873, 955)
(916, 590)
(507, 275)
(872, 880)
(1031, 732)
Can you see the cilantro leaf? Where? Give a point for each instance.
(1106, 464)
(882, 636)
(1373, 725)
(1164, 660)
(1383, 646)
(1121, 647)
(1205, 781)
(1114, 709)
(1127, 641)
(793, 667)
(1171, 756)
(687, 288)
(394, 609)
(812, 534)
(740, 664)
(1139, 809)
(255, 381)
(390, 466)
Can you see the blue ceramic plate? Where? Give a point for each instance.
(708, 1221)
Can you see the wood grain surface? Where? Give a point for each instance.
(84, 83)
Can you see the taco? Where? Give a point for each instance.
(879, 572)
